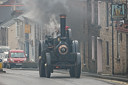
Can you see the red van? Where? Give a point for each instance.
(16, 58)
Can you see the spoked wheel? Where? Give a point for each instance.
(78, 66)
(48, 65)
(41, 69)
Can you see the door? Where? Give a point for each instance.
(99, 55)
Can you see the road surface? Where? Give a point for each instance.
(28, 77)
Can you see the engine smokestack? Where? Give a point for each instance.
(62, 25)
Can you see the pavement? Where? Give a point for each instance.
(123, 78)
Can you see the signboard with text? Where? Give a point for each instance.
(118, 11)
(27, 28)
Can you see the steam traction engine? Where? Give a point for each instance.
(59, 53)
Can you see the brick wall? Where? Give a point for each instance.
(120, 65)
(106, 35)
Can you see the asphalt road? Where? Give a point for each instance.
(27, 77)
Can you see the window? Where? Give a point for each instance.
(17, 28)
(118, 44)
(107, 15)
(17, 55)
(107, 52)
(93, 48)
(99, 12)
(21, 29)
(93, 11)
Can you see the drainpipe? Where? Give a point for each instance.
(112, 48)
(112, 44)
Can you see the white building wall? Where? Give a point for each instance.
(12, 39)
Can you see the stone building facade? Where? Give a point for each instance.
(88, 46)
(113, 61)
(105, 36)
(93, 33)
(104, 50)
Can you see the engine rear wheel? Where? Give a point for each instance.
(48, 65)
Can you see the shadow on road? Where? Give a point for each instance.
(59, 77)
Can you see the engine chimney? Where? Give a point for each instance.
(62, 25)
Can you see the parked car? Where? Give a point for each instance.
(4, 49)
(16, 58)
(2, 56)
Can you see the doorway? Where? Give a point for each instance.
(99, 55)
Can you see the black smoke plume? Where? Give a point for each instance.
(46, 12)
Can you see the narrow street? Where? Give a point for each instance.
(27, 77)
(87, 37)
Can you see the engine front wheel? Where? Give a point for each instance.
(48, 65)
(41, 69)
